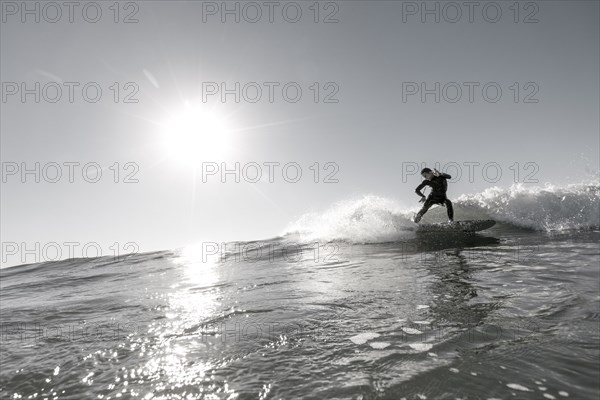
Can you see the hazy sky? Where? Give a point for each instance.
(374, 61)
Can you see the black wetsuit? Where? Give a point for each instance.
(438, 186)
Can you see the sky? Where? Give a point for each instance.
(356, 96)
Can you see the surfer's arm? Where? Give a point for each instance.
(421, 186)
(441, 174)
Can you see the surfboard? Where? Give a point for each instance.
(458, 226)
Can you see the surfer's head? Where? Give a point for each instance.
(427, 173)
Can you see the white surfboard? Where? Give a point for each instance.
(458, 226)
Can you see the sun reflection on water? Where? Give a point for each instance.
(178, 355)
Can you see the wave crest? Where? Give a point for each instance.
(545, 208)
(373, 219)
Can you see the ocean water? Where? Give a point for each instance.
(351, 303)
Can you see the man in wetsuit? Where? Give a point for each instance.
(437, 181)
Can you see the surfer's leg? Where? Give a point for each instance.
(450, 210)
(426, 206)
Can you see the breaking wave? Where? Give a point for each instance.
(373, 219)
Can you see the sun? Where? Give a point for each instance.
(195, 135)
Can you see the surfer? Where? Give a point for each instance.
(437, 181)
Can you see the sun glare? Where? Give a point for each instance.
(194, 135)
